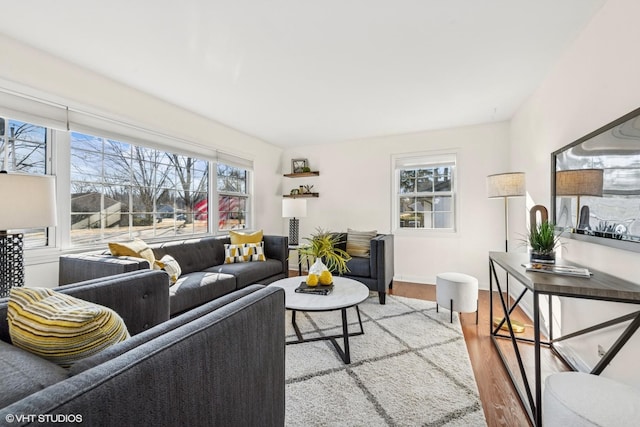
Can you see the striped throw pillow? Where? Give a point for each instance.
(171, 267)
(359, 242)
(61, 328)
(246, 252)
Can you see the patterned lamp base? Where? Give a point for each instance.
(11, 262)
(294, 224)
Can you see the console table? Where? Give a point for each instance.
(600, 286)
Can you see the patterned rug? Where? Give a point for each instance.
(410, 368)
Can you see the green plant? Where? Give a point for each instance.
(323, 245)
(543, 239)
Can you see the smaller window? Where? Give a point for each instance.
(23, 148)
(424, 195)
(233, 197)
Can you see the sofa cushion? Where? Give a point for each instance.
(59, 327)
(360, 267)
(171, 267)
(136, 248)
(197, 288)
(246, 252)
(24, 373)
(252, 272)
(238, 238)
(359, 242)
(194, 254)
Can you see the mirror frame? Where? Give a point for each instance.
(614, 243)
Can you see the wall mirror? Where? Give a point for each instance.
(595, 185)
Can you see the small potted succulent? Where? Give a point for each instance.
(543, 242)
(323, 250)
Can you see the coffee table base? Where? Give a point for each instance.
(344, 354)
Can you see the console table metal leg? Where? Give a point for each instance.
(536, 338)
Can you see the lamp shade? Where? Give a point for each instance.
(579, 182)
(509, 184)
(294, 208)
(28, 201)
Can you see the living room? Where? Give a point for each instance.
(593, 82)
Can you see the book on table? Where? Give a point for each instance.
(317, 290)
(567, 270)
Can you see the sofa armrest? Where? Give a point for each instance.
(231, 358)
(381, 258)
(140, 298)
(277, 247)
(79, 267)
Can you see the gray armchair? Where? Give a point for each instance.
(376, 271)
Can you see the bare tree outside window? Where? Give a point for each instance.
(121, 191)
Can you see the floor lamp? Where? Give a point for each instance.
(294, 208)
(579, 182)
(28, 202)
(505, 185)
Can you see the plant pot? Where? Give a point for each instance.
(543, 257)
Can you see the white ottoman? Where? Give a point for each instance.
(579, 399)
(457, 292)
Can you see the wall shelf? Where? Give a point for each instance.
(293, 196)
(302, 174)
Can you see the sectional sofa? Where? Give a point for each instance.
(205, 275)
(221, 363)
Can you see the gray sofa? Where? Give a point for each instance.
(219, 364)
(376, 271)
(204, 274)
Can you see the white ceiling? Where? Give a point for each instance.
(295, 72)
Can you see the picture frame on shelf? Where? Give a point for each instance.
(299, 165)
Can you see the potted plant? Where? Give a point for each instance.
(543, 242)
(327, 256)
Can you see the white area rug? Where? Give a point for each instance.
(410, 368)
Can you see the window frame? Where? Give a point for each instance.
(424, 160)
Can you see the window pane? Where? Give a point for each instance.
(443, 179)
(232, 212)
(425, 180)
(407, 181)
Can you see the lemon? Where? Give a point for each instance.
(312, 280)
(326, 278)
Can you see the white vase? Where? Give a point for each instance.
(318, 267)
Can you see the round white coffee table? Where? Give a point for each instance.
(346, 293)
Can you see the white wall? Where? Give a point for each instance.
(39, 74)
(595, 82)
(355, 192)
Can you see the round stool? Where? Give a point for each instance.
(457, 292)
(579, 399)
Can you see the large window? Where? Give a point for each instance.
(23, 148)
(425, 192)
(122, 183)
(120, 191)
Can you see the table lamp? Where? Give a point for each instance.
(28, 202)
(294, 208)
(506, 185)
(579, 182)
